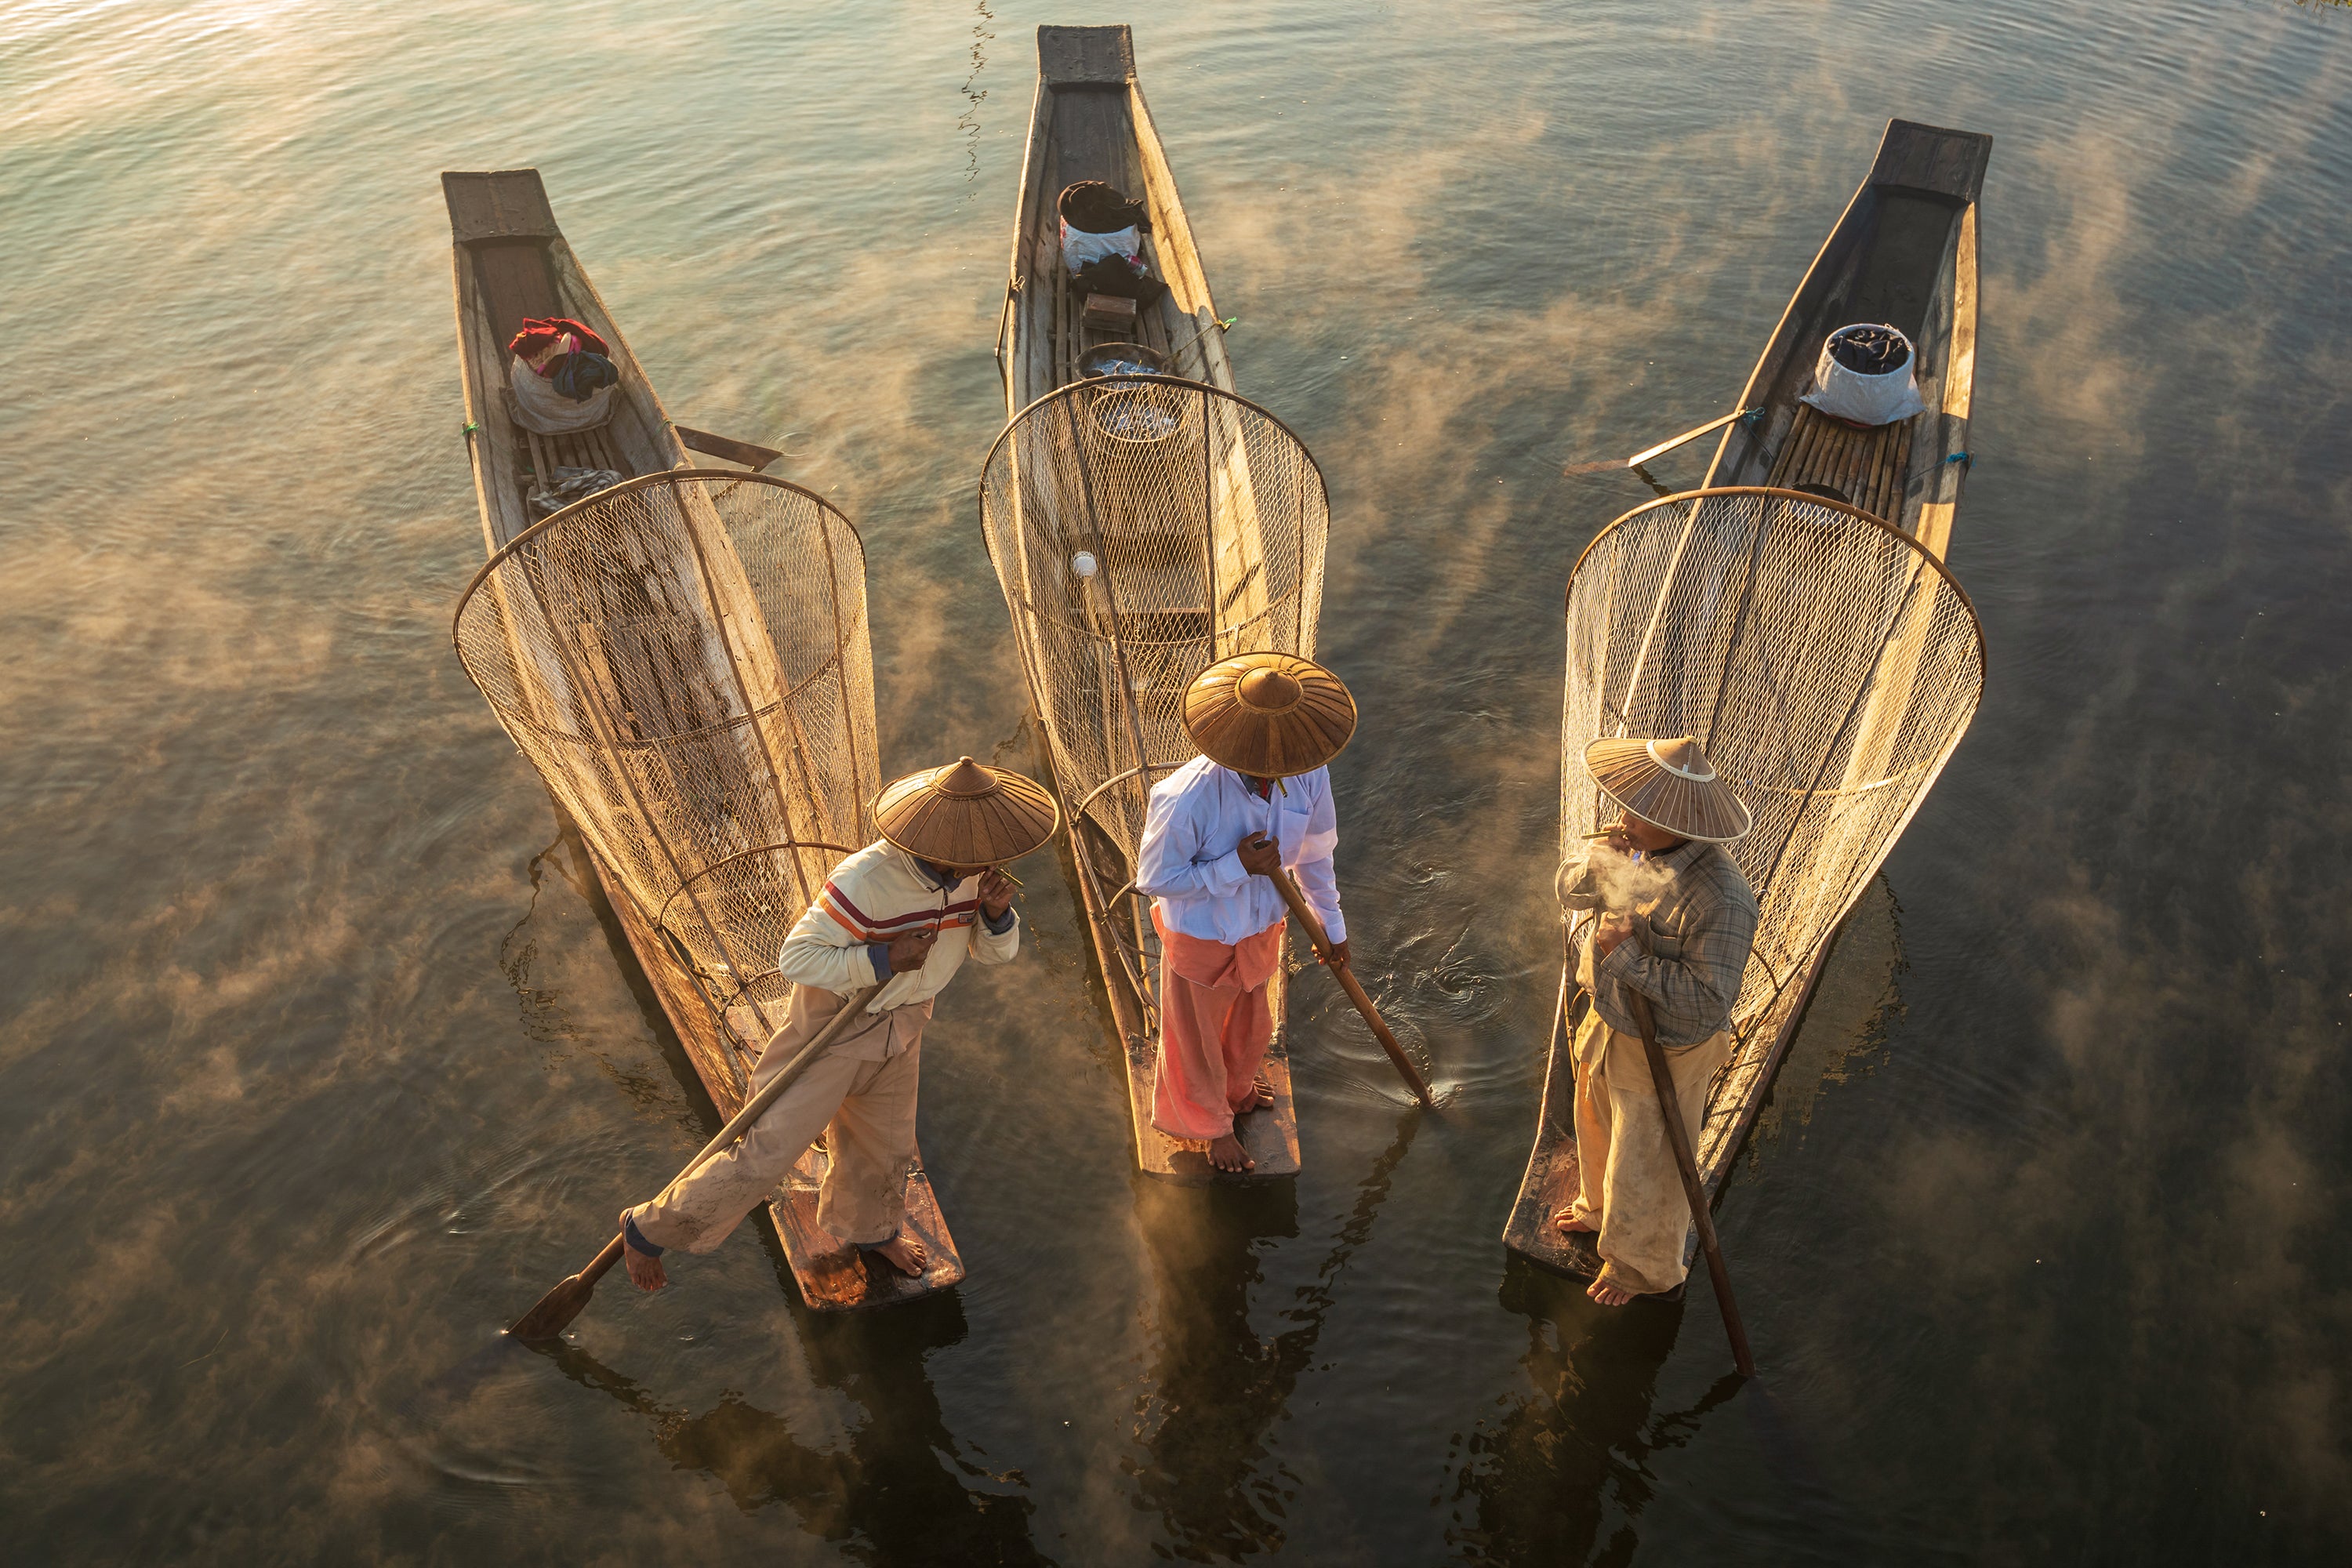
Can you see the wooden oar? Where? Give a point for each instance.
(1687, 1164)
(556, 1310)
(1660, 451)
(1347, 978)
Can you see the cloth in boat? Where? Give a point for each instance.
(1700, 918)
(1866, 396)
(1215, 1028)
(538, 405)
(1190, 864)
(1125, 276)
(877, 895)
(559, 333)
(1080, 247)
(860, 1094)
(579, 376)
(1628, 1188)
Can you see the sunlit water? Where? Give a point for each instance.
(314, 1069)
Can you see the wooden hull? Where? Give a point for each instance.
(1904, 252)
(1090, 122)
(510, 260)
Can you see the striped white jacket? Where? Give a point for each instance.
(876, 895)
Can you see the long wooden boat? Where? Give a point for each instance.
(1904, 253)
(510, 262)
(1090, 122)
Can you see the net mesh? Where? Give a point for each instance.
(1202, 520)
(685, 660)
(1829, 667)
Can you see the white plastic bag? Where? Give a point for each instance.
(1849, 394)
(1078, 246)
(538, 406)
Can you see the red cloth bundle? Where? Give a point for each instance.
(539, 333)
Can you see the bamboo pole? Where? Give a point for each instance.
(554, 1311)
(1346, 976)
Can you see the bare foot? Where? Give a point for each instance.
(645, 1271)
(1265, 1100)
(1567, 1223)
(1608, 1295)
(904, 1252)
(1226, 1154)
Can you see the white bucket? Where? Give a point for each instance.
(1861, 398)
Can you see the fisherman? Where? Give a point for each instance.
(1257, 799)
(902, 912)
(1676, 920)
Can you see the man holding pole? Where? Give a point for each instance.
(1256, 802)
(1676, 919)
(896, 919)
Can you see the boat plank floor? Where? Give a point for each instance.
(1867, 467)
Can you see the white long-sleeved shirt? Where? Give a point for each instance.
(1190, 864)
(876, 895)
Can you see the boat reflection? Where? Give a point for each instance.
(1217, 1389)
(896, 1491)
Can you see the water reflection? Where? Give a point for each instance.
(899, 1491)
(1218, 1389)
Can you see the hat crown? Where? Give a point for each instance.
(1683, 756)
(1269, 690)
(963, 780)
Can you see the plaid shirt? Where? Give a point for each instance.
(1699, 933)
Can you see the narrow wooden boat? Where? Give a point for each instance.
(1904, 253)
(511, 262)
(1195, 556)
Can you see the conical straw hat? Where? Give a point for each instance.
(1272, 715)
(1670, 784)
(965, 815)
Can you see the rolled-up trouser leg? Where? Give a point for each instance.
(701, 1211)
(1645, 1215)
(871, 1142)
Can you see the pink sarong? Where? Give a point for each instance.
(1215, 1028)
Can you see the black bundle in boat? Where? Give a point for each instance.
(1870, 350)
(1116, 275)
(1094, 207)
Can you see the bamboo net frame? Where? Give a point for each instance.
(1206, 522)
(1829, 665)
(685, 659)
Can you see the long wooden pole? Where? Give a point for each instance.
(554, 1311)
(1346, 976)
(1692, 1189)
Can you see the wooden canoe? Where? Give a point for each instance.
(1904, 253)
(510, 261)
(1090, 122)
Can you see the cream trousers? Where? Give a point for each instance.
(866, 1108)
(1628, 1188)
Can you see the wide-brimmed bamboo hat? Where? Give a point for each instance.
(965, 815)
(1272, 715)
(1670, 784)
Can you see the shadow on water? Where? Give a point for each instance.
(897, 1491)
(1219, 1388)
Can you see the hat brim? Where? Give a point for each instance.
(1016, 818)
(1628, 774)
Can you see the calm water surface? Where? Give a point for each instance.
(316, 1065)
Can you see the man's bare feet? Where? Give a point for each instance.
(904, 1252)
(1265, 1086)
(1567, 1223)
(645, 1271)
(1608, 1295)
(1226, 1154)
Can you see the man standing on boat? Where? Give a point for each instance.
(1256, 800)
(903, 914)
(1676, 919)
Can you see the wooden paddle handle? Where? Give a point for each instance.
(1346, 976)
(1685, 1162)
(757, 1106)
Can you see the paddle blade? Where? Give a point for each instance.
(555, 1310)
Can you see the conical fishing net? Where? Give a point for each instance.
(1828, 664)
(1144, 527)
(685, 659)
